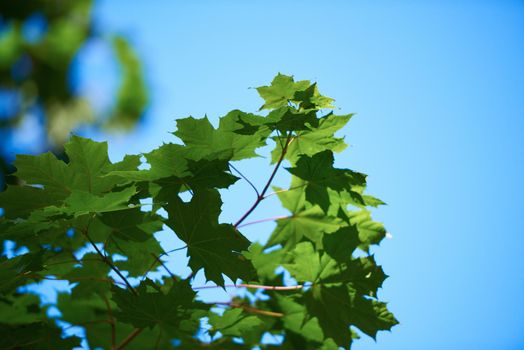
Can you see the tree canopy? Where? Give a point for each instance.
(92, 223)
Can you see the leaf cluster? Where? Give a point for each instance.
(92, 223)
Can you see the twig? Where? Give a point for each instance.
(261, 195)
(254, 286)
(129, 338)
(245, 178)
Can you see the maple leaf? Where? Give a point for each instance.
(306, 221)
(236, 323)
(320, 175)
(315, 140)
(212, 246)
(89, 277)
(281, 90)
(202, 140)
(151, 307)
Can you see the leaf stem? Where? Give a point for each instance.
(164, 266)
(129, 338)
(110, 264)
(274, 218)
(245, 178)
(250, 309)
(254, 286)
(260, 197)
(284, 190)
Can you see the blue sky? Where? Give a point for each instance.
(438, 88)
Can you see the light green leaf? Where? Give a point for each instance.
(281, 90)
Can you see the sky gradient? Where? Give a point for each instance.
(438, 88)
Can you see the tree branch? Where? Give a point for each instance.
(260, 197)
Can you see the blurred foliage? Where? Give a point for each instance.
(39, 42)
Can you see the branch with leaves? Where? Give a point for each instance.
(86, 221)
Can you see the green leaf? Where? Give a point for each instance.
(370, 232)
(320, 175)
(16, 271)
(265, 263)
(284, 119)
(20, 201)
(132, 224)
(35, 336)
(20, 309)
(46, 170)
(311, 223)
(281, 90)
(338, 307)
(340, 244)
(308, 265)
(212, 246)
(91, 277)
(236, 323)
(81, 203)
(315, 140)
(166, 161)
(332, 307)
(94, 312)
(152, 307)
(203, 141)
(294, 319)
(139, 256)
(86, 172)
(371, 316)
(311, 98)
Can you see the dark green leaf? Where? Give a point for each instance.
(212, 246)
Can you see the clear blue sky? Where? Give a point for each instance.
(439, 91)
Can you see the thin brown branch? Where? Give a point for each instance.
(128, 339)
(260, 197)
